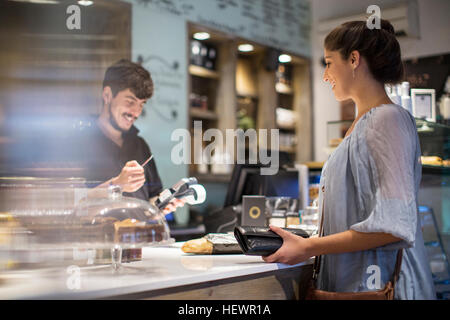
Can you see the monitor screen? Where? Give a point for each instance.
(249, 181)
(283, 184)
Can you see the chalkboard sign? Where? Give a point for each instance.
(281, 24)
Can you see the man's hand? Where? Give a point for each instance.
(295, 249)
(131, 178)
(173, 205)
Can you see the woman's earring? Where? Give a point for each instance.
(353, 73)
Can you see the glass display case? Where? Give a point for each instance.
(434, 142)
(49, 222)
(434, 198)
(435, 146)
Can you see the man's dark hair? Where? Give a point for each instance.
(379, 46)
(125, 74)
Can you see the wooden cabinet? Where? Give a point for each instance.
(250, 90)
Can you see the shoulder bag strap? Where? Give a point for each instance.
(316, 265)
(398, 265)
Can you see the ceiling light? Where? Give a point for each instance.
(201, 35)
(85, 2)
(283, 58)
(245, 47)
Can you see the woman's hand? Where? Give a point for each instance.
(295, 249)
(131, 178)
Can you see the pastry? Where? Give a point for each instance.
(201, 245)
(431, 160)
(213, 243)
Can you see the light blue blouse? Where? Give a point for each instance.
(370, 184)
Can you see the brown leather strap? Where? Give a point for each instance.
(398, 266)
(316, 265)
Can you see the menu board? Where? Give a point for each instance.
(281, 24)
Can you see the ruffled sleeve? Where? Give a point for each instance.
(384, 164)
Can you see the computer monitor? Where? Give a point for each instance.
(283, 184)
(247, 180)
(243, 181)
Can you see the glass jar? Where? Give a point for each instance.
(310, 216)
(278, 219)
(292, 218)
(314, 185)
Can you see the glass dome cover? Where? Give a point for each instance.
(53, 222)
(123, 221)
(48, 213)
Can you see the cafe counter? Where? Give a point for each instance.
(164, 273)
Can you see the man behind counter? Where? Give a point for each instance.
(113, 151)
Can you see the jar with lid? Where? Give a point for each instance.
(314, 185)
(278, 219)
(310, 216)
(292, 218)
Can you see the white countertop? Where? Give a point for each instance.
(160, 268)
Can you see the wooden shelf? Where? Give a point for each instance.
(246, 95)
(283, 88)
(286, 128)
(314, 165)
(202, 114)
(203, 72)
(287, 149)
(441, 170)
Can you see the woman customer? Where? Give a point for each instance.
(369, 184)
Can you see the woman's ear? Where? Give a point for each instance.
(355, 58)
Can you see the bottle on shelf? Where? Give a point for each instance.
(405, 97)
(444, 103)
(397, 94)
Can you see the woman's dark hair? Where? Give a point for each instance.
(379, 47)
(125, 74)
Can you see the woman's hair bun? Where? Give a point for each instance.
(387, 26)
(379, 47)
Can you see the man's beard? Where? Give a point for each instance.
(113, 122)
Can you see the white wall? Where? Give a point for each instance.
(434, 39)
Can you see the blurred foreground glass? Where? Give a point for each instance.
(60, 222)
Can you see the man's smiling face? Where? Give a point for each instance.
(124, 109)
